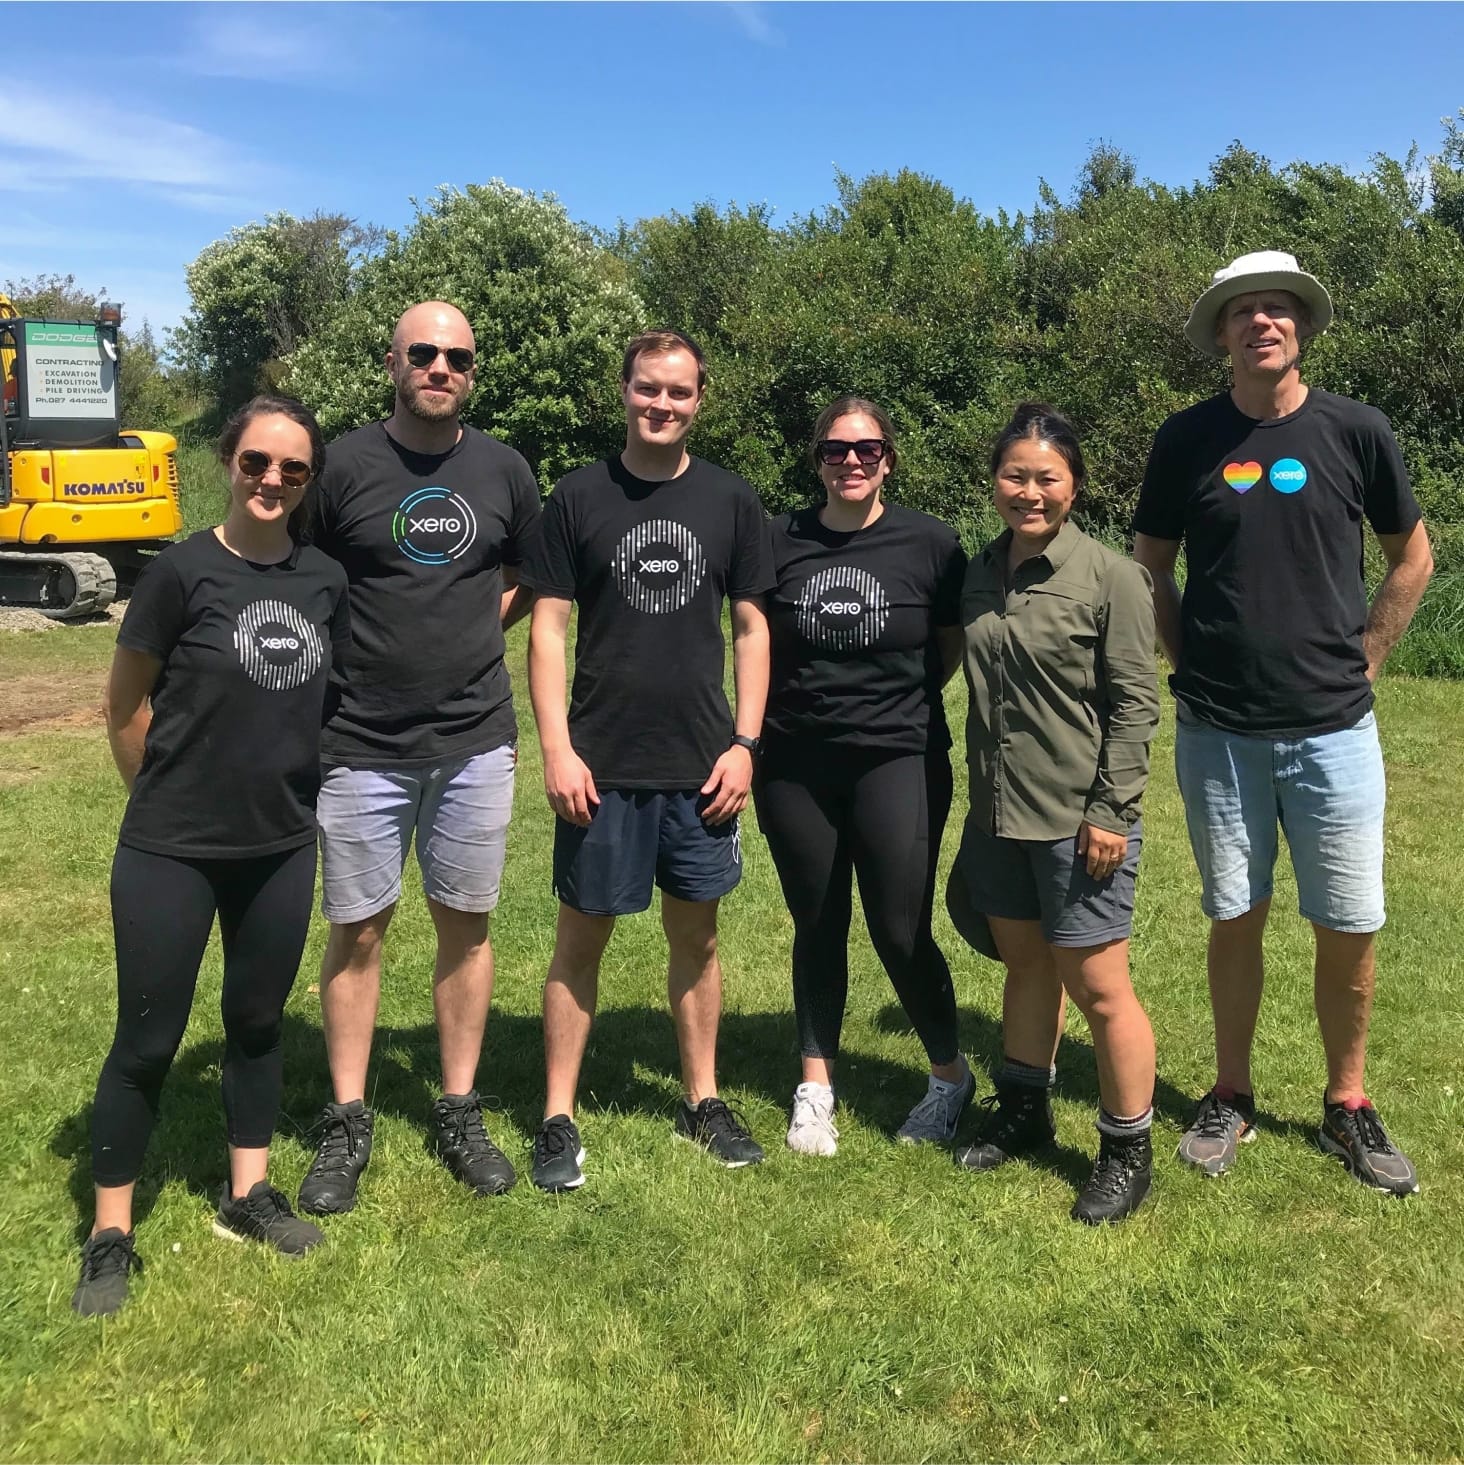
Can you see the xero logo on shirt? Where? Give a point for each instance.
(433, 526)
(277, 646)
(843, 608)
(1287, 475)
(659, 566)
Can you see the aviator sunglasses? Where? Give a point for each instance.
(832, 450)
(423, 353)
(254, 464)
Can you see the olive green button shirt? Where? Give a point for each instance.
(1064, 688)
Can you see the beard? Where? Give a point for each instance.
(431, 408)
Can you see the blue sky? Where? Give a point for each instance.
(133, 135)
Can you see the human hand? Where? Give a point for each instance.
(1105, 850)
(727, 787)
(570, 786)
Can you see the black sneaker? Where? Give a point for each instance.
(1220, 1127)
(1358, 1139)
(1018, 1121)
(329, 1189)
(721, 1130)
(107, 1260)
(463, 1145)
(265, 1215)
(558, 1154)
(1119, 1182)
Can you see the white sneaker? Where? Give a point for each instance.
(811, 1130)
(935, 1119)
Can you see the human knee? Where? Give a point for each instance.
(357, 944)
(461, 931)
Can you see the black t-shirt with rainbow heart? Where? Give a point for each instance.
(231, 764)
(853, 623)
(1271, 515)
(423, 539)
(650, 566)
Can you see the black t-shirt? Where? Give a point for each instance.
(650, 565)
(853, 623)
(423, 539)
(231, 765)
(1271, 514)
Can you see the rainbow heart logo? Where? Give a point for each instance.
(1241, 476)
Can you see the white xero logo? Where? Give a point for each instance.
(849, 621)
(277, 646)
(840, 607)
(279, 643)
(659, 566)
(434, 526)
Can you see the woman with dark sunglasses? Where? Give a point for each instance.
(854, 777)
(214, 708)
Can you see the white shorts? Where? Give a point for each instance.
(459, 811)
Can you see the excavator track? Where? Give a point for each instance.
(62, 586)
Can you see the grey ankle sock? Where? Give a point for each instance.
(1025, 1075)
(1119, 1128)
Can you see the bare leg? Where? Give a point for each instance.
(1032, 999)
(1345, 970)
(1097, 978)
(1236, 970)
(570, 992)
(350, 991)
(114, 1207)
(462, 988)
(819, 1070)
(694, 988)
(247, 1168)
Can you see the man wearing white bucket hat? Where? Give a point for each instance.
(1275, 651)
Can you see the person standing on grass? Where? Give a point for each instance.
(1275, 651)
(430, 519)
(213, 710)
(649, 769)
(1064, 703)
(855, 773)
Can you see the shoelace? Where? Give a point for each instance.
(720, 1117)
(1374, 1137)
(466, 1125)
(934, 1107)
(114, 1254)
(1213, 1118)
(339, 1141)
(999, 1122)
(552, 1140)
(267, 1207)
(1111, 1173)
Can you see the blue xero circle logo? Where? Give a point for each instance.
(433, 526)
(1288, 475)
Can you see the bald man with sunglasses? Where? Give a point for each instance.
(429, 517)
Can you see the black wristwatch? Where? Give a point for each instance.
(753, 745)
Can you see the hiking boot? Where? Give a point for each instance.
(264, 1215)
(463, 1145)
(935, 1119)
(1219, 1126)
(1357, 1137)
(720, 1130)
(1018, 1121)
(329, 1189)
(107, 1260)
(1120, 1179)
(811, 1129)
(558, 1155)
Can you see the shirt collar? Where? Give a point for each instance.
(1064, 542)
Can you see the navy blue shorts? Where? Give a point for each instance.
(637, 838)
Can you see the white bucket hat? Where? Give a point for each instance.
(1267, 269)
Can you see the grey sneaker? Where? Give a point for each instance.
(107, 1262)
(1219, 1126)
(811, 1130)
(1358, 1139)
(935, 1119)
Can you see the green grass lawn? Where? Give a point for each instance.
(878, 1306)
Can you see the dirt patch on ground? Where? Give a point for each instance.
(56, 700)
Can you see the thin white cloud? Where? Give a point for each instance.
(752, 20)
(331, 45)
(52, 139)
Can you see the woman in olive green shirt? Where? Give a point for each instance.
(1064, 702)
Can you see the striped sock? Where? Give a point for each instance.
(1112, 1124)
(1026, 1075)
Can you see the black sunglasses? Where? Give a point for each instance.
(424, 353)
(254, 464)
(833, 450)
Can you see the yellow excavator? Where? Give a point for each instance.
(83, 503)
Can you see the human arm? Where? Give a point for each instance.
(127, 710)
(517, 600)
(1157, 558)
(1131, 686)
(1410, 563)
(950, 642)
(950, 634)
(731, 774)
(568, 782)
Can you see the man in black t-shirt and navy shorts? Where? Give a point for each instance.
(648, 769)
(1275, 651)
(430, 520)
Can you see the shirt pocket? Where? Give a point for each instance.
(1054, 634)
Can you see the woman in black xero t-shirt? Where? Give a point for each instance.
(214, 709)
(855, 775)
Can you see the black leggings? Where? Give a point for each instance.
(162, 912)
(825, 812)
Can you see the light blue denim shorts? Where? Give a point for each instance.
(459, 812)
(1326, 793)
